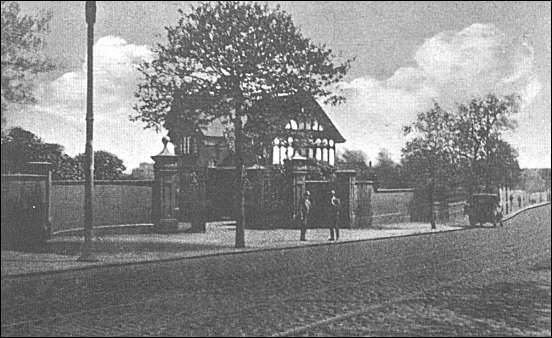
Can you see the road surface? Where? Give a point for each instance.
(484, 281)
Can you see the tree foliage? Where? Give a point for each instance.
(486, 159)
(355, 160)
(20, 146)
(532, 181)
(22, 57)
(388, 173)
(235, 61)
(230, 59)
(430, 156)
(107, 166)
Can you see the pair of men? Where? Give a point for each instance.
(305, 210)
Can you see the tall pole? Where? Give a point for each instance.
(87, 255)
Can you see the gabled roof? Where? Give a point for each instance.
(324, 119)
(217, 127)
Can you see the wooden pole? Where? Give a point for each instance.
(87, 255)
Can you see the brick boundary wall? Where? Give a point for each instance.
(391, 206)
(115, 202)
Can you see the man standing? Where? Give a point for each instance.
(335, 205)
(304, 213)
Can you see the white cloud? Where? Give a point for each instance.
(451, 67)
(59, 115)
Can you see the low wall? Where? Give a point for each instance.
(391, 205)
(449, 212)
(456, 211)
(115, 202)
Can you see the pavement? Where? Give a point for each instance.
(477, 282)
(63, 251)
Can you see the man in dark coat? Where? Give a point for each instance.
(335, 206)
(304, 214)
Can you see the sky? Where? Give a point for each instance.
(407, 55)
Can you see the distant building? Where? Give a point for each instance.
(143, 172)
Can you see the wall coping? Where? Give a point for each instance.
(394, 190)
(108, 182)
(345, 171)
(22, 177)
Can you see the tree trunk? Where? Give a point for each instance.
(240, 174)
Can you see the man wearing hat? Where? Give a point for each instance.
(304, 213)
(335, 206)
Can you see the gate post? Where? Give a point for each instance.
(192, 196)
(164, 201)
(346, 184)
(363, 204)
(298, 185)
(192, 190)
(44, 169)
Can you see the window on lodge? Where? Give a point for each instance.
(304, 125)
(186, 146)
(321, 150)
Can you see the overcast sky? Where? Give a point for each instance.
(407, 54)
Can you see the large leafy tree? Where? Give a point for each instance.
(429, 156)
(388, 172)
(487, 160)
(234, 61)
(531, 181)
(501, 168)
(20, 146)
(355, 160)
(107, 166)
(22, 57)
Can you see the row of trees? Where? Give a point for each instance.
(20, 146)
(23, 58)
(233, 60)
(464, 148)
(451, 150)
(385, 172)
(448, 150)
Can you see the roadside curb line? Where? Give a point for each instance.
(511, 215)
(242, 251)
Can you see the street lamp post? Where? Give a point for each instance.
(87, 255)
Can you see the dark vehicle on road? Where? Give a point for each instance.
(483, 208)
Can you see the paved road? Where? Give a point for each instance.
(474, 282)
